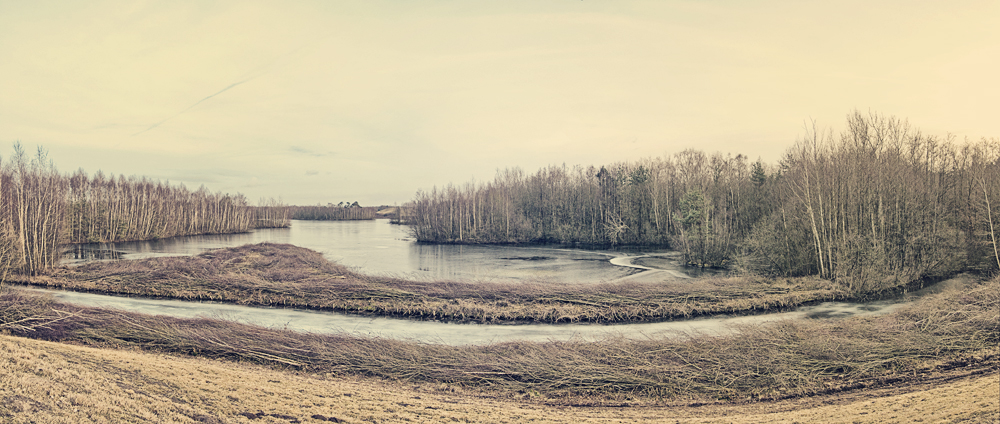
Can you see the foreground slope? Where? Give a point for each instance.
(57, 383)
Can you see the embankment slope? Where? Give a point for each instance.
(58, 383)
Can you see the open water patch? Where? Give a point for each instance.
(380, 248)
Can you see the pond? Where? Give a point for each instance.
(377, 247)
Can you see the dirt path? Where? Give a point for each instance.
(56, 383)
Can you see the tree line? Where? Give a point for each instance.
(874, 205)
(41, 209)
(331, 212)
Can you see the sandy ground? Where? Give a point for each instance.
(43, 382)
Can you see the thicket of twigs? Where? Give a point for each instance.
(289, 276)
(794, 358)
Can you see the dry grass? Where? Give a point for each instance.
(289, 276)
(957, 329)
(58, 383)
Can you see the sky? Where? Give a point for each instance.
(370, 101)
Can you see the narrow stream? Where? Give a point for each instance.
(450, 333)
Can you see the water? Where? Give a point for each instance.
(380, 248)
(377, 247)
(450, 333)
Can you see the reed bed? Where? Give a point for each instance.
(955, 329)
(283, 275)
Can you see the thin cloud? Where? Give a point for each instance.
(307, 152)
(252, 75)
(192, 106)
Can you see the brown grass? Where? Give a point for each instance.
(288, 276)
(44, 382)
(956, 329)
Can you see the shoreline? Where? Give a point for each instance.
(276, 275)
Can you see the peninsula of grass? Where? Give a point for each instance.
(955, 332)
(282, 275)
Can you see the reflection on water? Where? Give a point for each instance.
(85, 253)
(453, 334)
(379, 248)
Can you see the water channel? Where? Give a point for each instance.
(450, 333)
(377, 247)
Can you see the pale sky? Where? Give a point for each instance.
(328, 101)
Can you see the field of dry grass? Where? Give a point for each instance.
(288, 276)
(45, 382)
(956, 329)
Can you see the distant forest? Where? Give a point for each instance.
(875, 206)
(330, 212)
(41, 209)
